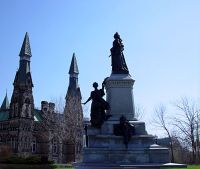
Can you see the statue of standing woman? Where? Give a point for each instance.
(117, 57)
(98, 106)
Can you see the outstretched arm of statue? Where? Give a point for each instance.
(104, 82)
(103, 86)
(87, 100)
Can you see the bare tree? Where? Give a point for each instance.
(59, 104)
(139, 112)
(161, 120)
(187, 122)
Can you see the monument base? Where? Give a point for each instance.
(105, 147)
(124, 166)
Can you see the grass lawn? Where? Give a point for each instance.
(191, 167)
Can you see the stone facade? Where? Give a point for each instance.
(45, 132)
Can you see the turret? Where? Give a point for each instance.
(5, 104)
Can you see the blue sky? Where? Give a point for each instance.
(161, 38)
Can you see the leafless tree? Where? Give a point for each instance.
(59, 104)
(139, 112)
(161, 120)
(187, 123)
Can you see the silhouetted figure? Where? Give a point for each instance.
(127, 130)
(98, 106)
(124, 129)
(117, 57)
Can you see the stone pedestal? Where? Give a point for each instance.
(124, 166)
(119, 95)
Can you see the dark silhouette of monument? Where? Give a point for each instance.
(121, 141)
(98, 106)
(117, 57)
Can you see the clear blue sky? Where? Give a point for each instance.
(161, 38)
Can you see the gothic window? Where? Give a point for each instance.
(7, 140)
(27, 107)
(78, 148)
(34, 145)
(16, 109)
(22, 142)
(55, 146)
(27, 101)
(14, 142)
(11, 142)
(25, 142)
(12, 110)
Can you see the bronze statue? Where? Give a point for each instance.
(117, 57)
(98, 106)
(125, 129)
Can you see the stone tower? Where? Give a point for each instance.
(74, 114)
(22, 103)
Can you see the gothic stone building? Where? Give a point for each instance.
(29, 131)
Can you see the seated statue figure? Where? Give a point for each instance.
(98, 106)
(125, 129)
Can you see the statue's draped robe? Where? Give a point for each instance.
(98, 107)
(117, 57)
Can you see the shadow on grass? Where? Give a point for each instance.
(26, 166)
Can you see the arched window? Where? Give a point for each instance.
(25, 142)
(27, 108)
(34, 145)
(16, 109)
(11, 141)
(78, 148)
(27, 101)
(55, 146)
(14, 143)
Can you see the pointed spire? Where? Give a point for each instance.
(73, 67)
(25, 49)
(5, 105)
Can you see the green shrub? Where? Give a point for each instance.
(33, 160)
(29, 160)
(15, 160)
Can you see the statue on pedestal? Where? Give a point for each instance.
(117, 57)
(98, 106)
(125, 129)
